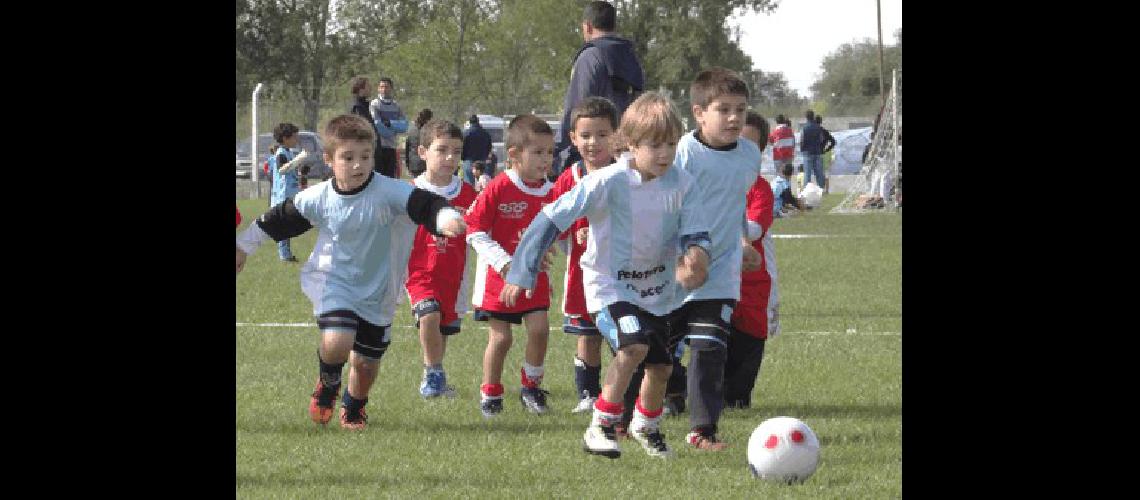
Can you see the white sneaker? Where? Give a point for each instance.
(600, 440)
(585, 404)
(652, 440)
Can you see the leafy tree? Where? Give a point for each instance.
(850, 79)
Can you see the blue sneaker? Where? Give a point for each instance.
(435, 385)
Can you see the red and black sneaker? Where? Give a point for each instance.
(321, 404)
(355, 422)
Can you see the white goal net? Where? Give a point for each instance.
(878, 187)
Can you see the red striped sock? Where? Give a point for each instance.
(648, 414)
(492, 389)
(607, 407)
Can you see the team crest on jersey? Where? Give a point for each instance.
(440, 243)
(629, 324)
(513, 210)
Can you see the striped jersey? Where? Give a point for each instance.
(573, 296)
(783, 141)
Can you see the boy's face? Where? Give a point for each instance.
(652, 159)
(291, 141)
(593, 138)
(384, 89)
(535, 159)
(351, 163)
(722, 120)
(442, 155)
(753, 134)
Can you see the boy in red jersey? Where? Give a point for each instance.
(498, 218)
(436, 265)
(592, 125)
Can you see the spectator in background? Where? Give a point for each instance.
(360, 105)
(828, 142)
(481, 178)
(783, 141)
(606, 66)
(389, 120)
(811, 145)
(412, 160)
(476, 147)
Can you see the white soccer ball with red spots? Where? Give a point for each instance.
(783, 449)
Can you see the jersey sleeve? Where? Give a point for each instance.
(480, 220)
(760, 203)
(587, 196)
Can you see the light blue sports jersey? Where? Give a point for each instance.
(724, 178)
(361, 254)
(779, 184)
(636, 231)
(284, 185)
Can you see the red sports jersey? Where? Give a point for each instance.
(751, 313)
(437, 264)
(783, 140)
(503, 211)
(238, 215)
(573, 295)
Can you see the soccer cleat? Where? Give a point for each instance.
(353, 422)
(702, 442)
(435, 385)
(534, 400)
(653, 441)
(585, 404)
(491, 406)
(321, 404)
(601, 440)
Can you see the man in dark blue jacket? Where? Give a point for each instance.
(811, 145)
(606, 66)
(476, 147)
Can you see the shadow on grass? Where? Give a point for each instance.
(817, 411)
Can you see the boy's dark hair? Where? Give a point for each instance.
(438, 128)
(385, 79)
(819, 119)
(359, 83)
(477, 166)
(594, 107)
(780, 118)
(810, 115)
(715, 82)
(346, 128)
(756, 120)
(601, 15)
(473, 119)
(423, 117)
(522, 129)
(788, 169)
(284, 131)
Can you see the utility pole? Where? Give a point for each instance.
(879, 19)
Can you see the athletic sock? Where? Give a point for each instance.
(330, 373)
(491, 391)
(587, 378)
(606, 413)
(531, 375)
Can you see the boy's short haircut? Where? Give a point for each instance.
(650, 117)
(810, 115)
(422, 117)
(477, 166)
(819, 119)
(716, 82)
(522, 129)
(756, 120)
(283, 131)
(385, 79)
(594, 107)
(345, 128)
(358, 83)
(789, 169)
(438, 128)
(601, 15)
(780, 118)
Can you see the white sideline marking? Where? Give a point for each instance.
(559, 329)
(800, 236)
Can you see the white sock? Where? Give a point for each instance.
(534, 373)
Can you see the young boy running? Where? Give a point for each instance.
(725, 168)
(436, 265)
(496, 221)
(647, 230)
(350, 275)
(592, 125)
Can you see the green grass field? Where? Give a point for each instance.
(837, 367)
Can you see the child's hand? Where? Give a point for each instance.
(510, 294)
(453, 228)
(580, 236)
(752, 259)
(692, 268)
(240, 260)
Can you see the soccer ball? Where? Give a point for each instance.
(783, 449)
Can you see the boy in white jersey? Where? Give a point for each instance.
(436, 266)
(496, 221)
(646, 230)
(725, 169)
(352, 276)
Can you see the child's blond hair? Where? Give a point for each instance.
(652, 117)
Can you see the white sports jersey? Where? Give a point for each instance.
(724, 176)
(360, 258)
(636, 231)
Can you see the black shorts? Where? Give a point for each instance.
(580, 325)
(428, 306)
(709, 319)
(512, 318)
(371, 341)
(623, 324)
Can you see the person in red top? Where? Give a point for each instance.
(437, 264)
(756, 315)
(783, 141)
(501, 213)
(238, 215)
(592, 125)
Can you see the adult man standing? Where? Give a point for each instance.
(783, 141)
(606, 66)
(476, 147)
(811, 145)
(389, 120)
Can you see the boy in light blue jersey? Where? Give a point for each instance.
(725, 169)
(647, 233)
(359, 262)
